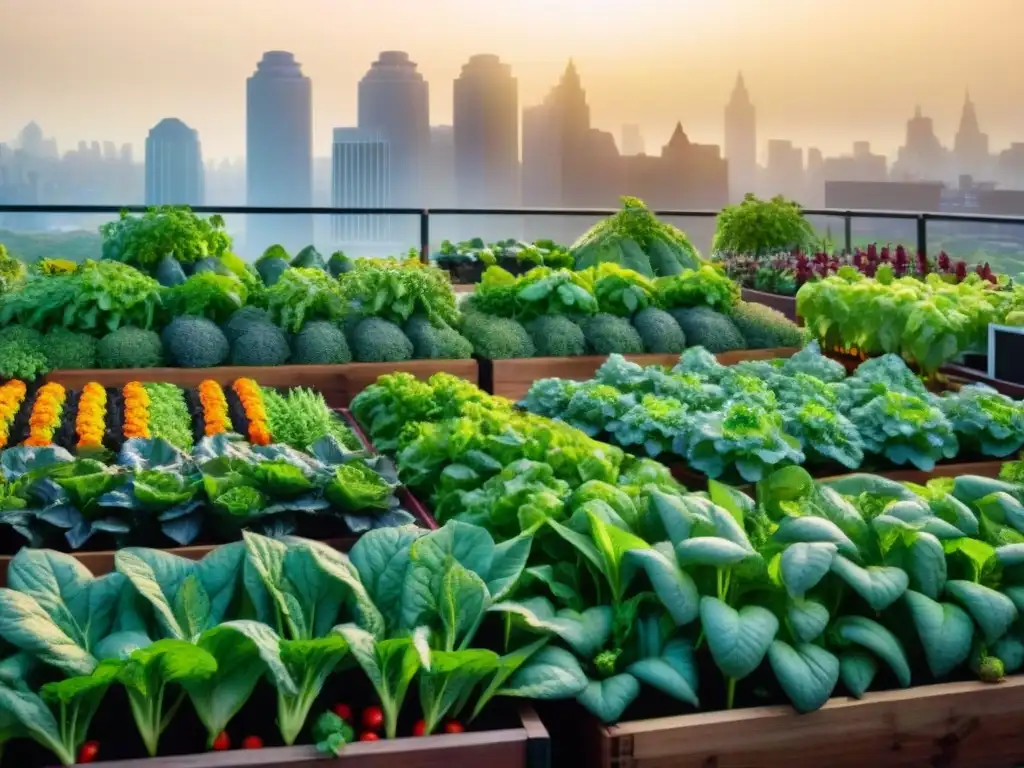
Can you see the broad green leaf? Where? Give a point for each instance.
(586, 632)
(879, 585)
(607, 699)
(807, 619)
(507, 666)
(925, 564)
(613, 544)
(858, 630)
(25, 625)
(551, 673)
(673, 586)
(808, 529)
(735, 502)
(804, 564)
(674, 672)
(738, 640)
(946, 632)
(452, 676)
(1010, 649)
(673, 514)
(993, 611)
(710, 550)
(807, 673)
(507, 566)
(462, 603)
(1016, 595)
(325, 563)
(857, 669)
(309, 662)
(31, 716)
(381, 557)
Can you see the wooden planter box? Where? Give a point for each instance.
(513, 378)
(952, 725)
(969, 375)
(784, 304)
(338, 383)
(524, 746)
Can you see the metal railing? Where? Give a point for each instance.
(921, 219)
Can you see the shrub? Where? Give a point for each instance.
(320, 343)
(195, 342)
(703, 327)
(244, 319)
(130, 347)
(436, 342)
(557, 336)
(376, 340)
(496, 338)
(67, 350)
(21, 353)
(260, 344)
(765, 328)
(659, 331)
(606, 334)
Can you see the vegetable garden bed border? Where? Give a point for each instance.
(513, 378)
(953, 725)
(525, 746)
(784, 304)
(337, 383)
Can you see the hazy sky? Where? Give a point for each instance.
(822, 72)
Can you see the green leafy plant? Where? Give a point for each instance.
(175, 230)
(760, 227)
(303, 294)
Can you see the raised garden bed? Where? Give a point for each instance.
(953, 725)
(338, 383)
(521, 741)
(513, 378)
(784, 304)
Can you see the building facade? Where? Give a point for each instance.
(360, 178)
(279, 151)
(741, 141)
(174, 164)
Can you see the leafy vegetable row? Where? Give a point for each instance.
(742, 421)
(807, 590)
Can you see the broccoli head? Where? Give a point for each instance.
(375, 340)
(243, 319)
(703, 327)
(168, 272)
(130, 347)
(260, 344)
(68, 350)
(659, 331)
(22, 354)
(607, 334)
(320, 343)
(436, 342)
(194, 342)
(496, 338)
(765, 328)
(556, 336)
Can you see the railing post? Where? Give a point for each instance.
(425, 236)
(922, 235)
(847, 233)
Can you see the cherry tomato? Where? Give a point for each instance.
(368, 736)
(222, 742)
(252, 742)
(344, 711)
(454, 726)
(420, 728)
(87, 752)
(373, 718)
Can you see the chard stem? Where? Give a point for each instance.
(730, 692)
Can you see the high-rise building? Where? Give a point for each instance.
(741, 141)
(279, 151)
(174, 164)
(785, 170)
(360, 178)
(394, 102)
(970, 147)
(486, 124)
(632, 140)
(922, 155)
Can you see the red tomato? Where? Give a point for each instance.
(87, 752)
(373, 718)
(344, 711)
(368, 736)
(454, 726)
(252, 742)
(420, 728)
(222, 742)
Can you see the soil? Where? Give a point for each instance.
(115, 730)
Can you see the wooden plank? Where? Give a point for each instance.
(974, 376)
(506, 748)
(338, 383)
(954, 725)
(513, 378)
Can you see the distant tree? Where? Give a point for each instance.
(31, 247)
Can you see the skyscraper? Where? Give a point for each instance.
(741, 141)
(279, 151)
(486, 124)
(394, 102)
(174, 164)
(632, 140)
(970, 147)
(360, 171)
(922, 154)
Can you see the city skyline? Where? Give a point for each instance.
(99, 97)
